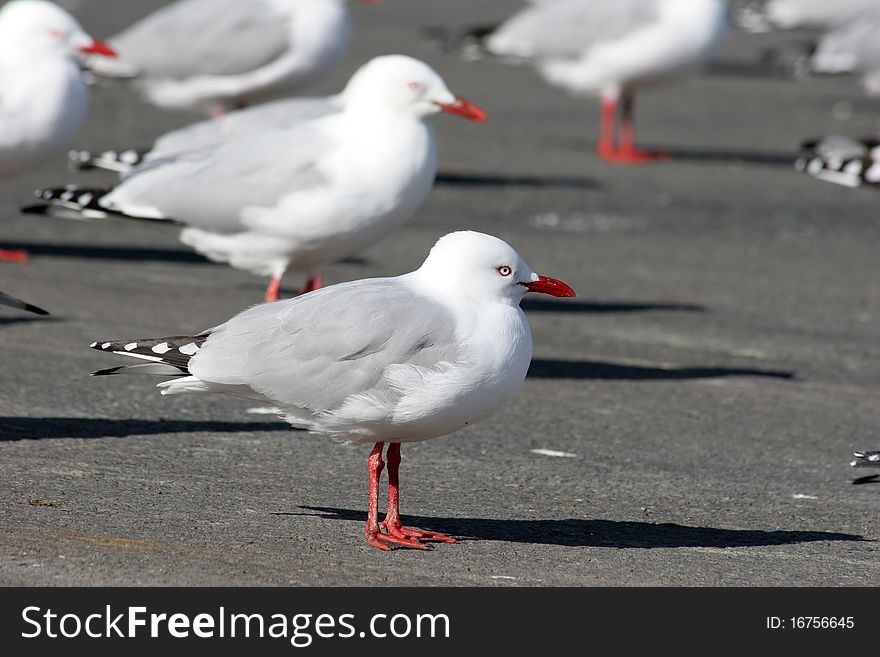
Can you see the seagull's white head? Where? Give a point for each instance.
(476, 265)
(39, 26)
(406, 85)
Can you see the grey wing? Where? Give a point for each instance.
(316, 351)
(206, 37)
(567, 28)
(210, 188)
(244, 123)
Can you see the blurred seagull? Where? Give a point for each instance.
(853, 47)
(44, 99)
(216, 55)
(842, 161)
(296, 197)
(395, 360)
(799, 14)
(866, 460)
(13, 302)
(612, 48)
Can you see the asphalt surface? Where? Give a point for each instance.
(718, 367)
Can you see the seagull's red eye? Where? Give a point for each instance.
(504, 270)
(415, 86)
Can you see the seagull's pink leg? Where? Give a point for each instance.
(607, 127)
(313, 283)
(274, 289)
(627, 153)
(392, 524)
(373, 530)
(14, 255)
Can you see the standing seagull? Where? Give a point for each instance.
(43, 97)
(613, 48)
(220, 54)
(297, 197)
(395, 360)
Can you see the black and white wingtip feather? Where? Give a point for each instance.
(168, 356)
(866, 460)
(80, 203)
(469, 43)
(70, 202)
(842, 161)
(14, 302)
(116, 161)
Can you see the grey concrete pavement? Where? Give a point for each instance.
(718, 367)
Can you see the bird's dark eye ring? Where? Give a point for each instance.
(504, 270)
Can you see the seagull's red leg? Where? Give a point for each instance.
(14, 255)
(374, 534)
(274, 289)
(372, 531)
(627, 153)
(607, 127)
(313, 283)
(392, 524)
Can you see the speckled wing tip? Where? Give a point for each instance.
(866, 460)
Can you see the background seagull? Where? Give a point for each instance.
(613, 48)
(44, 99)
(298, 197)
(220, 54)
(401, 359)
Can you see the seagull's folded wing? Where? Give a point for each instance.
(244, 123)
(316, 352)
(568, 28)
(210, 188)
(206, 37)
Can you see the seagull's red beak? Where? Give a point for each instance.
(98, 48)
(465, 108)
(551, 286)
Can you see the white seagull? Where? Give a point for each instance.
(44, 99)
(853, 47)
(14, 302)
(216, 55)
(613, 48)
(395, 360)
(800, 14)
(297, 197)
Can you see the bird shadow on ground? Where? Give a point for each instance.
(577, 532)
(680, 154)
(512, 180)
(36, 428)
(6, 321)
(602, 371)
(768, 158)
(126, 253)
(601, 307)
(110, 252)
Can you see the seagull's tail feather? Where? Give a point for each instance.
(117, 161)
(167, 356)
(80, 203)
(14, 302)
(866, 459)
(842, 161)
(468, 42)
